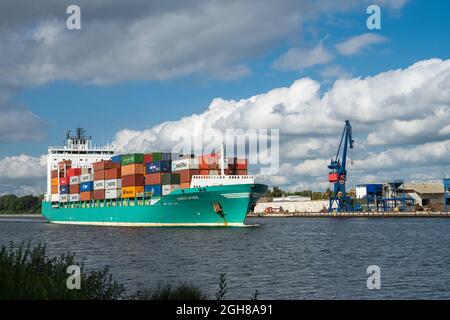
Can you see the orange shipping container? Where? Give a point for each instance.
(86, 195)
(203, 172)
(102, 165)
(153, 178)
(132, 192)
(112, 173)
(54, 182)
(74, 188)
(134, 168)
(54, 190)
(242, 172)
(186, 175)
(99, 175)
(185, 185)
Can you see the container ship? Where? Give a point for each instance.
(95, 186)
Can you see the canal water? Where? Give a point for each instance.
(282, 258)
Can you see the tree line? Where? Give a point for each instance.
(11, 204)
(276, 192)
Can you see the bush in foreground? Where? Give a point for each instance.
(27, 273)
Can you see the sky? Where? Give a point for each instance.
(138, 71)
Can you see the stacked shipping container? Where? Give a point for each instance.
(136, 175)
(132, 175)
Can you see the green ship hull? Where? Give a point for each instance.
(225, 205)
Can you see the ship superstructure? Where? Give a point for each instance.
(79, 149)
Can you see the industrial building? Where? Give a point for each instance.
(426, 194)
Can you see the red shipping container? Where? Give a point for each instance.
(153, 178)
(115, 165)
(133, 180)
(242, 164)
(99, 175)
(202, 166)
(113, 173)
(186, 175)
(73, 172)
(102, 165)
(54, 174)
(148, 157)
(74, 188)
(63, 181)
(203, 172)
(99, 194)
(86, 195)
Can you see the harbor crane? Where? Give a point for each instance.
(338, 174)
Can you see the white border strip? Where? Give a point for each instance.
(151, 224)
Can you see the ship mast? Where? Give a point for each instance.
(222, 159)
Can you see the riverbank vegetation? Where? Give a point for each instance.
(12, 204)
(276, 192)
(26, 272)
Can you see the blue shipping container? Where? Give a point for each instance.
(87, 186)
(155, 189)
(158, 166)
(116, 159)
(63, 189)
(374, 189)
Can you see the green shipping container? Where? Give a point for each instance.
(132, 158)
(157, 156)
(170, 178)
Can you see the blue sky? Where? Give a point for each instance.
(71, 96)
(416, 32)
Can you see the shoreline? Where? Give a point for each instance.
(413, 214)
(12, 215)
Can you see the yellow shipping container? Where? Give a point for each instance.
(132, 192)
(134, 168)
(54, 181)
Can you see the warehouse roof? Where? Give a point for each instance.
(424, 187)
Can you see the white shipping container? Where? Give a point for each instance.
(99, 184)
(84, 171)
(184, 164)
(74, 197)
(168, 188)
(214, 172)
(113, 184)
(63, 198)
(55, 197)
(113, 193)
(361, 192)
(74, 180)
(86, 177)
